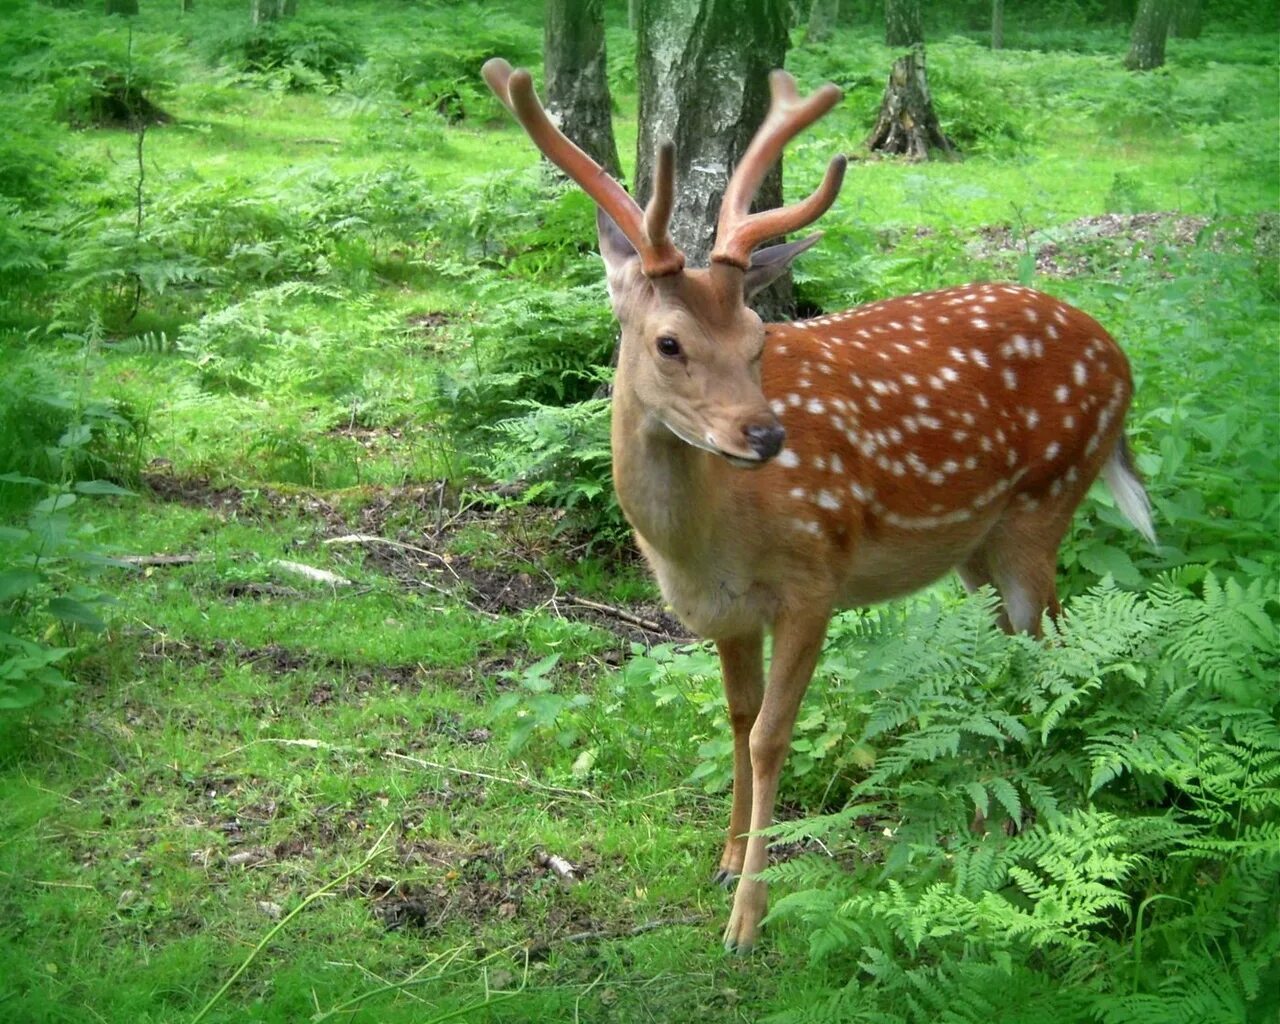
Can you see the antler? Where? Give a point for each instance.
(739, 231)
(647, 230)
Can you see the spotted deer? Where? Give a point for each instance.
(774, 473)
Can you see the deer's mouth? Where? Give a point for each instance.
(741, 460)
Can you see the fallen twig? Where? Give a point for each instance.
(142, 561)
(615, 933)
(523, 781)
(619, 613)
(560, 867)
(369, 538)
(310, 572)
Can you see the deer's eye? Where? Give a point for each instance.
(669, 347)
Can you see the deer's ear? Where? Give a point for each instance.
(770, 263)
(616, 250)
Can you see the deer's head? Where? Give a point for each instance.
(691, 344)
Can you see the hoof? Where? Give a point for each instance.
(725, 878)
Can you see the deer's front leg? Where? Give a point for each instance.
(742, 667)
(797, 642)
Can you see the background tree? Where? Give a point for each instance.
(702, 68)
(907, 124)
(1150, 29)
(577, 84)
(903, 23)
(823, 15)
(122, 6)
(997, 24)
(272, 10)
(1187, 20)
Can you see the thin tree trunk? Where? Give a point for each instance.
(1150, 30)
(997, 24)
(903, 24)
(822, 21)
(577, 84)
(703, 68)
(126, 7)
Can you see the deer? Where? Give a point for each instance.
(776, 473)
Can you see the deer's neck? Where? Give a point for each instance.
(667, 488)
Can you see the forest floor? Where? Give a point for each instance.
(368, 739)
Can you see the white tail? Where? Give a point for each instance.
(774, 473)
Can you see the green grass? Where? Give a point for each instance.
(336, 278)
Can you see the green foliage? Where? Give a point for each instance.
(1106, 798)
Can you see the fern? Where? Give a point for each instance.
(1134, 760)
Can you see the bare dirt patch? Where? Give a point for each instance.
(1083, 245)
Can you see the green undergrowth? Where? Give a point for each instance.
(345, 324)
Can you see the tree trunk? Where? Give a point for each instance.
(1187, 20)
(272, 10)
(997, 24)
(122, 6)
(703, 68)
(188, 6)
(903, 24)
(907, 124)
(822, 21)
(1150, 29)
(577, 86)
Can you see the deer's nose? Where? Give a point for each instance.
(765, 439)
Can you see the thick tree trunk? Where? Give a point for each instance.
(903, 24)
(1187, 21)
(907, 124)
(1150, 29)
(577, 85)
(122, 7)
(822, 21)
(703, 68)
(997, 24)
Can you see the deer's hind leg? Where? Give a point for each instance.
(1020, 558)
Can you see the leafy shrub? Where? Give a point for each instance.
(57, 446)
(49, 434)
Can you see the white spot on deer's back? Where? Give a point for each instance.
(788, 459)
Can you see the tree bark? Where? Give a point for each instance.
(903, 24)
(997, 24)
(703, 68)
(822, 21)
(577, 85)
(1150, 30)
(122, 7)
(1187, 21)
(907, 124)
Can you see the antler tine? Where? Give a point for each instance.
(658, 255)
(740, 231)
(657, 215)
